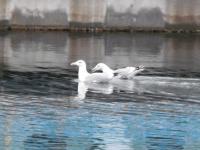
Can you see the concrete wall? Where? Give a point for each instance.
(3, 22)
(106, 14)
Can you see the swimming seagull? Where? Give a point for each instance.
(123, 73)
(85, 76)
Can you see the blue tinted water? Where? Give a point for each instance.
(42, 106)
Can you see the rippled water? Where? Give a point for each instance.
(42, 106)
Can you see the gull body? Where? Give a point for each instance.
(85, 76)
(122, 73)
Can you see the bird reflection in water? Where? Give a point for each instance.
(116, 85)
(84, 87)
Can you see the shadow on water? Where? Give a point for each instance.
(42, 106)
(45, 141)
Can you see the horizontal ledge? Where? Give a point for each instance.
(99, 29)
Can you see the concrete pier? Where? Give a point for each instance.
(100, 15)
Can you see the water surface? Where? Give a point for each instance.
(42, 106)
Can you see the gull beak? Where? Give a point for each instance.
(73, 64)
(141, 67)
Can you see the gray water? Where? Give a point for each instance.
(42, 106)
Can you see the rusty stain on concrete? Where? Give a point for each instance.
(87, 11)
(183, 11)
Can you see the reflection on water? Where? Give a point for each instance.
(42, 106)
(37, 51)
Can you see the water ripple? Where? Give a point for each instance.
(42, 106)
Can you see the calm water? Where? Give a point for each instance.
(42, 106)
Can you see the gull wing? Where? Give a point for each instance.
(124, 72)
(98, 77)
(128, 72)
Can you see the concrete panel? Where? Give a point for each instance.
(38, 13)
(53, 18)
(183, 13)
(119, 19)
(134, 13)
(2, 9)
(87, 13)
(3, 21)
(151, 18)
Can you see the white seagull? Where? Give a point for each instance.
(123, 73)
(85, 76)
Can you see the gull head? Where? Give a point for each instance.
(79, 63)
(99, 67)
(140, 67)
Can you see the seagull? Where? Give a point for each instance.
(85, 76)
(122, 73)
